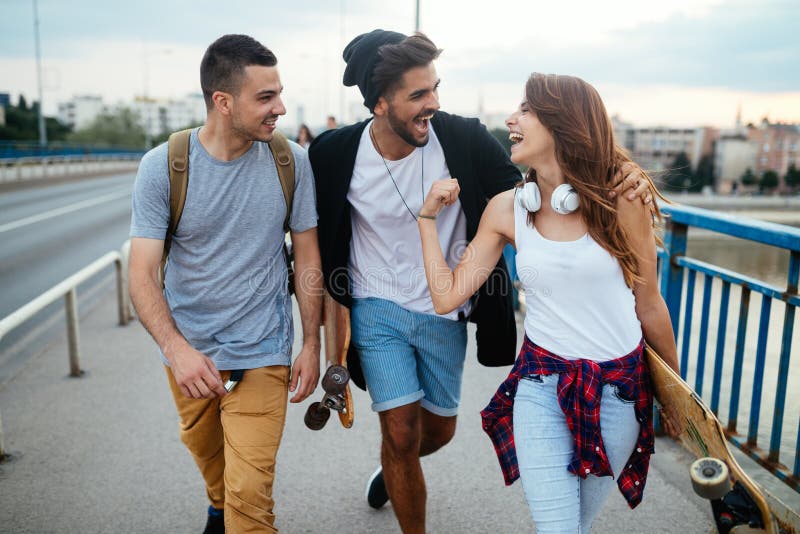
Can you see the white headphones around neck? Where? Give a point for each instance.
(563, 200)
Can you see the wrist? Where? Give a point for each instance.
(174, 347)
(312, 343)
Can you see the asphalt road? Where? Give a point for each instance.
(47, 233)
(102, 454)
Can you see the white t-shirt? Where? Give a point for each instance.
(386, 250)
(577, 302)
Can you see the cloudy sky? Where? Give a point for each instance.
(675, 62)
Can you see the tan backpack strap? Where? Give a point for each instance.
(178, 161)
(284, 162)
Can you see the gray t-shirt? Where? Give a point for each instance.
(225, 281)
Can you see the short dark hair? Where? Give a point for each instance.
(222, 68)
(396, 59)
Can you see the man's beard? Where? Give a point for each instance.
(400, 128)
(250, 134)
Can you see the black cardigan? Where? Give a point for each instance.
(482, 168)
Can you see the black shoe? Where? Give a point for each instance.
(216, 521)
(376, 490)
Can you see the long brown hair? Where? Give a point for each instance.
(575, 116)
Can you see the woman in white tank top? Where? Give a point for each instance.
(575, 414)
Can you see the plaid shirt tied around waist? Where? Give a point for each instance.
(580, 386)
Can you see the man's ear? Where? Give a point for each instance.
(223, 102)
(381, 107)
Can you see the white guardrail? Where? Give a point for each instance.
(37, 168)
(68, 289)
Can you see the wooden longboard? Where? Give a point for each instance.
(336, 327)
(701, 432)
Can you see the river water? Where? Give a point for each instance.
(770, 265)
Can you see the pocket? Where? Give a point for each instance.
(534, 378)
(623, 396)
(262, 391)
(537, 393)
(371, 327)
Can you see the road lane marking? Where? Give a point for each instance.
(13, 225)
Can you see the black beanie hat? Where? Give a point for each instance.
(361, 56)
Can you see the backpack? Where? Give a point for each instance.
(178, 159)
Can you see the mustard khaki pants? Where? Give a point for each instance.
(234, 441)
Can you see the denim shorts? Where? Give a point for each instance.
(408, 356)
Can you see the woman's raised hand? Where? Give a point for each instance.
(443, 193)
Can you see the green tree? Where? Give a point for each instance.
(22, 104)
(749, 178)
(704, 175)
(119, 128)
(22, 124)
(769, 181)
(164, 136)
(56, 130)
(679, 176)
(792, 178)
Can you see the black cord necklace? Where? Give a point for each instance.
(422, 179)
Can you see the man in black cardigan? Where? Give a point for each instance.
(371, 178)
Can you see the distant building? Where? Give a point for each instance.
(161, 116)
(758, 148)
(81, 111)
(150, 117)
(156, 116)
(733, 155)
(655, 148)
(188, 111)
(777, 147)
(624, 133)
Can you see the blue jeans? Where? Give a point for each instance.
(560, 501)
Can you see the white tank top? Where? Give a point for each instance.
(578, 305)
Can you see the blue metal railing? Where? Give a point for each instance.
(29, 149)
(677, 269)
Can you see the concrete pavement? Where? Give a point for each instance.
(101, 453)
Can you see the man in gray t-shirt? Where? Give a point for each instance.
(225, 304)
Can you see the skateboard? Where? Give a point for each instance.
(336, 380)
(737, 503)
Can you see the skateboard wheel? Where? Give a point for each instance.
(316, 416)
(335, 379)
(710, 478)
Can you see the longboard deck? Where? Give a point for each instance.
(336, 328)
(701, 432)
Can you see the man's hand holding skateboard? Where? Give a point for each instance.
(335, 382)
(305, 372)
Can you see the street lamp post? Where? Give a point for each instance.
(148, 141)
(42, 129)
